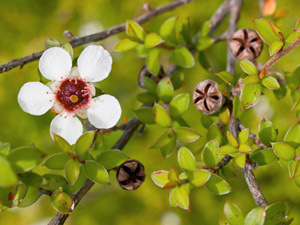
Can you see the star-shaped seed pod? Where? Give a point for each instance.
(245, 44)
(131, 175)
(207, 98)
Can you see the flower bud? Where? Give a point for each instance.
(130, 175)
(207, 98)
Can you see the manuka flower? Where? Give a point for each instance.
(70, 92)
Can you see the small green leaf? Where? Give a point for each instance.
(167, 30)
(243, 136)
(218, 185)
(213, 132)
(62, 144)
(68, 47)
(251, 79)
(223, 221)
(186, 31)
(263, 157)
(164, 139)
(182, 57)
(62, 202)
(173, 176)
(276, 213)
(7, 176)
(72, 171)
(150, 84)
(182, 196)
(224, 115)
(275, 47)
(292, 37)
(250, 95)
(186, 134)
(266, 132)
(281, 92)
(161, 116)
(233, 213)
(145, 115)
(256, 216)
(52, 181)
(210, 153)
(227, 149)
(23, 159)
(31, 179)
(172, 200)
(268, 30)
(50, 42)
(146, 97)
(134, 30)
(226, 77)
(179, 105)
(237, 107)
(57, 161)
(240, 160)
(31, 197)
(244, 148)
(83, 144)
(141, 51)
(206, 121)
(165, 90)
(248, 67)
(294, 168)
(203, 43)
(112, 158)
(292, 136)
(153, 61)
(205, 28)
(96, 172)
(204, 62)
(198, 177)
(270, 83)
(4, 149)
(283, 150)
(167, 150)
(231, 139)
(177, 79)
(152, 40)
(186, 159)
(160, 178)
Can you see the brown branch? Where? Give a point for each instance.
(77, 41)
(219, 15)
(131, 126)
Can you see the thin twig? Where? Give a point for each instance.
(97, 36)
(219, 15)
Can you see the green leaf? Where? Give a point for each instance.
(173, 176)
(182, 196)
(145, 115)
(186, 159)
(62, 144)
(4, 149)
(244, 148)
(186, 134)
(153, 61)
(218, 185)
(283, 150)
(227, 149)
(179, 105)
(223, 221)
(250, 95)
(172, 200)
(266, 132)
(161, 116)
(233, 213)
(150, 84)
(224, 115)
(182, 57)
(23, 159)
(167, 150)
(251, 79)
(68, 47)
(292, 37)
(205, 28)
(202, 58)
(226, 77)
(275, 47)
(112, 158)
(270, 83)
(83, 144)
(146, 97)
(198, 177)
(294, 168)
(50, 42)
(20, 193)
(276, 213)
(57, 161)
(72, 171)
(224, 89)
(7, 176)
(164, 139)
(96, 172)
(177, 79)
(256, 216)
(263, 157)
(240, 160)
(62, 202)
(268, 30)
(292, 136)
(31, 197)
(237, 107)
(243, 136)
(231, 139)
(165, 90)
(248, 67)
(210, 153)
(206, 121)
(141, 51)
(152, 40)
(160, 178)
(134, 30)
(186, 31)
(31, 179)
(52, 181)
(213, 132)
(167, 30)
(204, 43)
(281, 92)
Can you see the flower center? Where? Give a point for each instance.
(73, 94)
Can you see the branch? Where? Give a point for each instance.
(131, 126)
(77, 41)
(219, 15)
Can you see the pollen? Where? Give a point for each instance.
(74, 98)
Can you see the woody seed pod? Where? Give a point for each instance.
(207, 98)
(245, 44)
(130, 175)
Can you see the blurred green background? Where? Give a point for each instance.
(25, 24)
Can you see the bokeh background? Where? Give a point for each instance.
(25, 24)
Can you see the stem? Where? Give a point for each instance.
(219, 15)
(77, 41)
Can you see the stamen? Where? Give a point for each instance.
(74, 98)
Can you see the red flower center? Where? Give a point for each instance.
(73, 94)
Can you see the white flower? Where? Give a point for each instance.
(70, 92)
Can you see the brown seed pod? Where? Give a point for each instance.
(245, 44)
(131, 174)
(207, 98)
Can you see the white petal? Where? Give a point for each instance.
(35, 98)
(67, 126)
(94, 63)
(104, 112)
(74, 72)
(55, 63)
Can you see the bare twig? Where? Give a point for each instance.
(131, 126)
(219, 15)
(75, 42)
(68, 34)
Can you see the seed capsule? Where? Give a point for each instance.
(207, 98)
(245, 44)
(130, 175)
